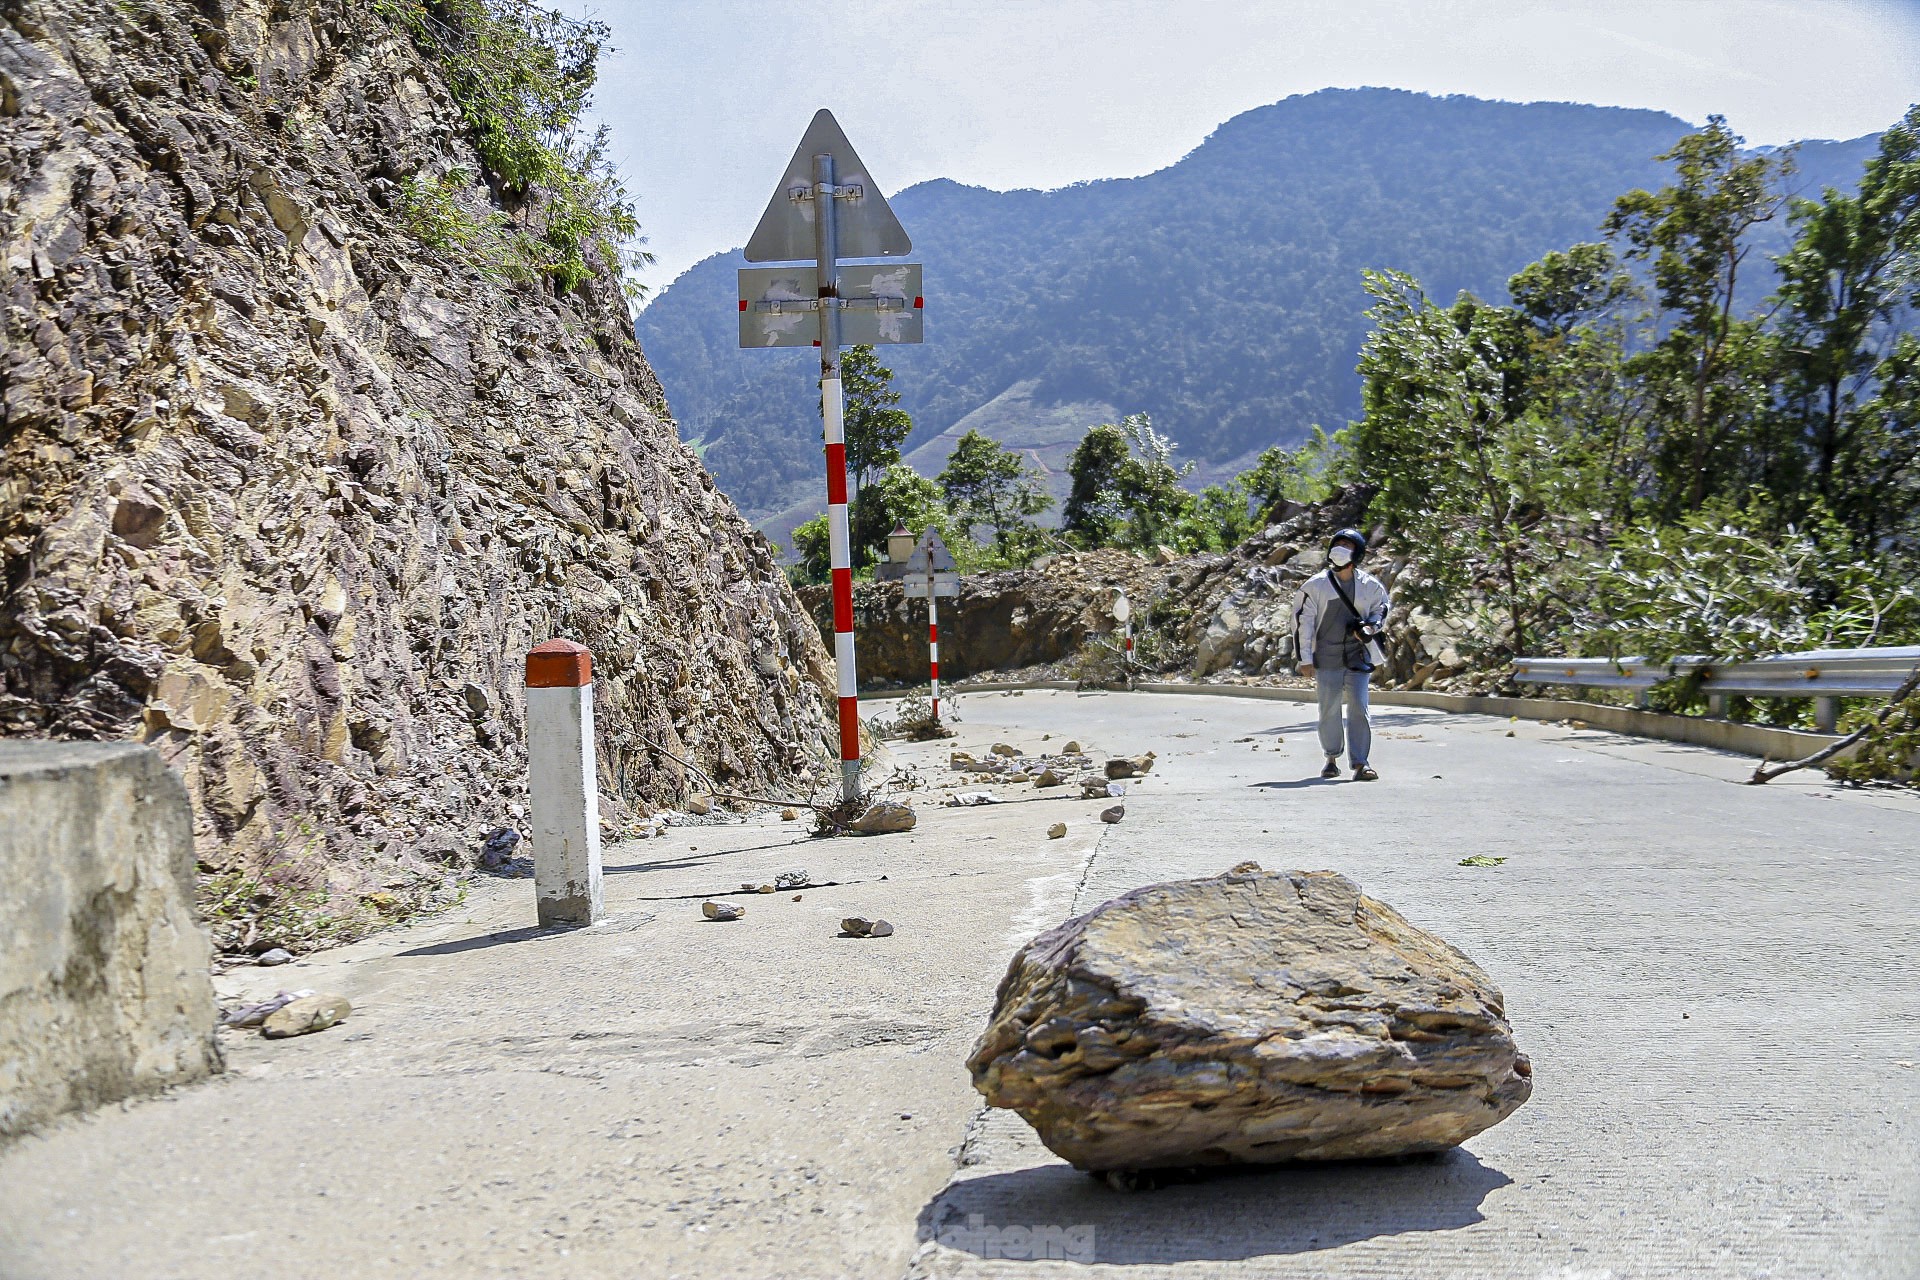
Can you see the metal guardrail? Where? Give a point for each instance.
(1824, 674)
(1836, 673)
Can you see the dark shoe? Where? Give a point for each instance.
(1365, 773)
(1333, 768)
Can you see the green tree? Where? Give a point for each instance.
(1126, 489)
(1562, 290)
(898, 496)
(874, 423)
(1696, 234)
(1847, 287)
(1306, 474)
(812, 545)
(1474, 481)
(987, 483)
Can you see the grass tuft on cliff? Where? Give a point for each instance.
(522, 77)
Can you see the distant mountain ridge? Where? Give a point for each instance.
(1222, 294)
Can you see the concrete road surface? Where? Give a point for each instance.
(1718, 986)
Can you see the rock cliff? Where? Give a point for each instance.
(288, 496)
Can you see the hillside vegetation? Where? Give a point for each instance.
(1223, 296)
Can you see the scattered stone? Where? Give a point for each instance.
(1129, 766)
(961, 760)
(788, 815)
(699, 806)
(792, 880)
(796, 897)
(1072, 748)
(497, 850)
(722, 910)
(1057, 831)
(278, 955)
(1152, 1032)
(1100, 789)
(304, 1015)
(252, 1015)
(1048, 778)
(884, 817)
(766, 888)
(1019, 776)
(881, 929)
(1114, 814)
(1004, 749)
(856, 926)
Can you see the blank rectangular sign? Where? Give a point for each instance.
(879, 305)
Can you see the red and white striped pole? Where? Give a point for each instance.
(933, 640)
(833, 414)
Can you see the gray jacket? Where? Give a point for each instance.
(1318, 595)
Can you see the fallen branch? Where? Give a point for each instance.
(1765, 773)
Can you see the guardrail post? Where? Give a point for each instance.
(1717, 706)
(1826, 714)
(563, 784)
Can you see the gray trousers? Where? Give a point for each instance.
(1333, 683)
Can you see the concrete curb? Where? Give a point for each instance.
(1723, 735)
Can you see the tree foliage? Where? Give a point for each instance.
(1660, 465)
(1126, 489)
(874, 423)
(988, 484)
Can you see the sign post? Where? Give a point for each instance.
(932, 573)
(1123, 614)
(826, 206)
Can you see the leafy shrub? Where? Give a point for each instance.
(522, 77)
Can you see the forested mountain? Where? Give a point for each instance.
(1222, 295)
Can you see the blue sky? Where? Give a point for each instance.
(706, 98)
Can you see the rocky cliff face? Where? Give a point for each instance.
(289, 497)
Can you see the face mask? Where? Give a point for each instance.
(1342, 556)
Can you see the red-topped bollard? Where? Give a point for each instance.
(562, 784)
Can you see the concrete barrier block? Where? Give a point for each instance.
(105, 991)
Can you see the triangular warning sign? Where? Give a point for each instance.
(864, 227)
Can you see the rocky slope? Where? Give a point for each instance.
(289, 497)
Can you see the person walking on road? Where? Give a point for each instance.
(1337, 626)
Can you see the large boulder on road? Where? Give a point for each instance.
(1255, 1017)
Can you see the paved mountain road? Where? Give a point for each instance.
(1718, 986)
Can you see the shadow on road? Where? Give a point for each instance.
(1232, 1214)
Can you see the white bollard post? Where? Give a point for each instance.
(563, 784)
